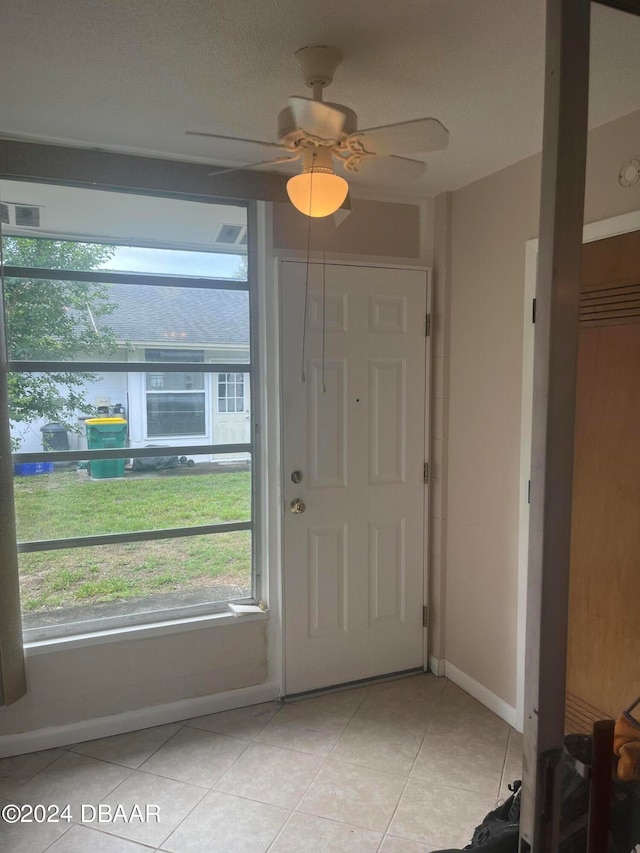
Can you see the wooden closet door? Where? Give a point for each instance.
(603, 674)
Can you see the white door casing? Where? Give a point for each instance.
(354, 561)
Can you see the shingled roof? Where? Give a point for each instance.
(179, 315)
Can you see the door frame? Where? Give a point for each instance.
(293, 257)
(600, 230)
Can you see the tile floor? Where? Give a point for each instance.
(404, 766)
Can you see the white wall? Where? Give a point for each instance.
(491, 220)
(72, 685)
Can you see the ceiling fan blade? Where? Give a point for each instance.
(385, 170)
(406, 137)
(231, 138)
(316, 118)
(276, 162)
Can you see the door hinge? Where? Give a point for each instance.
(425, 472)
(533, 311)
(529, 492)
(425, 616)
(427, 325)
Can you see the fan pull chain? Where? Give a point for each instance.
(324, 304)
(303, 377)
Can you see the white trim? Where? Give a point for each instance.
(623, 224)
(140, 718)
(428, 458)
(345, 260)
(494, 703)
(268, 438)
(437, 666)
(612, 227)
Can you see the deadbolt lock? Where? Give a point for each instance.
(296, 477)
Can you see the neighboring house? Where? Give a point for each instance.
(173, 324)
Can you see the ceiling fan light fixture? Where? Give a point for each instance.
(318, 191)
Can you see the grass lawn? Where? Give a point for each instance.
(68, 503)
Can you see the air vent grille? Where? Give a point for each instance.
(229, 234)
(610, 306)
(28, 217)
(21, 215)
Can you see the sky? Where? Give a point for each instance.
(173, 262)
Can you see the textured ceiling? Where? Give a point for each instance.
(134, 74)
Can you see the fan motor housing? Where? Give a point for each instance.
(289, 135)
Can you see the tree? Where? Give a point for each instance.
(50, 320)
(241, 270)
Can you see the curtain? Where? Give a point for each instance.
(13, 683)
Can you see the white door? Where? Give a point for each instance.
(354, 559)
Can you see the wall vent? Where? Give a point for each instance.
(229, 234)
(27, 216)
(21, 215)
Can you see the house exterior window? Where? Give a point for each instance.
(175, 402)
(230, 392)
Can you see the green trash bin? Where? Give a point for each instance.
(106, 432)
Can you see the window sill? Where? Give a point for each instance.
(139, 632)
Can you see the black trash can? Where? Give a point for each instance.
(54, 437)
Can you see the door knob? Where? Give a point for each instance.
(296, 506)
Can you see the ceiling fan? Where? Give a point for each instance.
(324, 135)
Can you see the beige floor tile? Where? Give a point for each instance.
(512, 771)
(344, 702)
(72, 779)
(130, 749)
(424, 684)
(401, 845)
(195, 757)
(309, 834)
(173, 800)
(355, 795)
(271, 775)
(380, 745)
(439, 816)
(409, 702)
(18, 769)
(454, 695)
(241, 722)
(82, 839)
(304, 729)
(461, 763)
(225, 824)
(28, 838)
(469, 720)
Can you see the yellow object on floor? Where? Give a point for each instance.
(626, 745)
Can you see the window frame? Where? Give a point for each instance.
(250, 367)
(205, 391)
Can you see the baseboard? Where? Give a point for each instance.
(437, 666)
(494, 703)
(140, 718)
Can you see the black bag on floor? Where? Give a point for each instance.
(500, 830)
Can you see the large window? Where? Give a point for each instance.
(134, 491)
